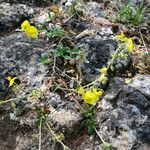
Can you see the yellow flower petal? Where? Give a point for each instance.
(120, 37)
(80, 90)
(103, 70)
(129, 44)
(91, 95)
(11, 80)
(25, 25)
(31, 32)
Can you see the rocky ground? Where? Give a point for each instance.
(45, 83)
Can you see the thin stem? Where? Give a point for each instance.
(99, 135)
(52, 132)
(40, 135)
(143, 41)
(10, 100)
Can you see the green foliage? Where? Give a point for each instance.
(131, 15)
(146, 57)
(44, 60)
(34, 94)
(73, 8)
(55, 32)
(66, 52)
(40, 115)
(107, 146)
(88, 120)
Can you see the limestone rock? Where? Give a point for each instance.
(11, 16)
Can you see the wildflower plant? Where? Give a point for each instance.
(65, 52)
(89, 96)
(125, 47)
(55, 32)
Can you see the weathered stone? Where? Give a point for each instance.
(142, 84)
(93, 9)
(66, 121)
(97, 53)
(124, 117)
(20, 58)
(11, 16)
(27, 2)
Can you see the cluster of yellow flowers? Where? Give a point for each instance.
(103, 77)
(31, 31)
(127, 41)
(90, 95)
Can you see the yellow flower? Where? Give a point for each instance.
(120, 37)
(97, 92)
(91, 95)
(129, 44)
(11, 80)
(88, 97)
(80, 90)
(103, 78)
(31, 32)
(25, 25)
(103, 70)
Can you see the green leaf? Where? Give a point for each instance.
(67, 57)
(107, 146)
(90, 130)
(44, 60)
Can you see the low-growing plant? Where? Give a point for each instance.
(146, 57)
(34, 94)
(88, 120)
(44, 60)
(55, 32)
(66, 52)
(73, 9)
(134, 15)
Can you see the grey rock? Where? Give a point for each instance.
(20, 58)
(66, 121)
(116, 84)
(11, 16)
(124, 117)
(27, 2)
(97, 53)
(142, 84)
(93, 9)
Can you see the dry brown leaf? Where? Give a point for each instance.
(55, 9)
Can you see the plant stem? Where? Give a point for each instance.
(10, 100)
(99, 135)
(40, 136)
(143, 41)
(52, 132)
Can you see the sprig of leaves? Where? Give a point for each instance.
(88, 120)
(131, 15)
(66, 52)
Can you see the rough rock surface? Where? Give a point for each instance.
(11, 16)
(20, 57)
(124, 117)
(97, 46)
(27, 2)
